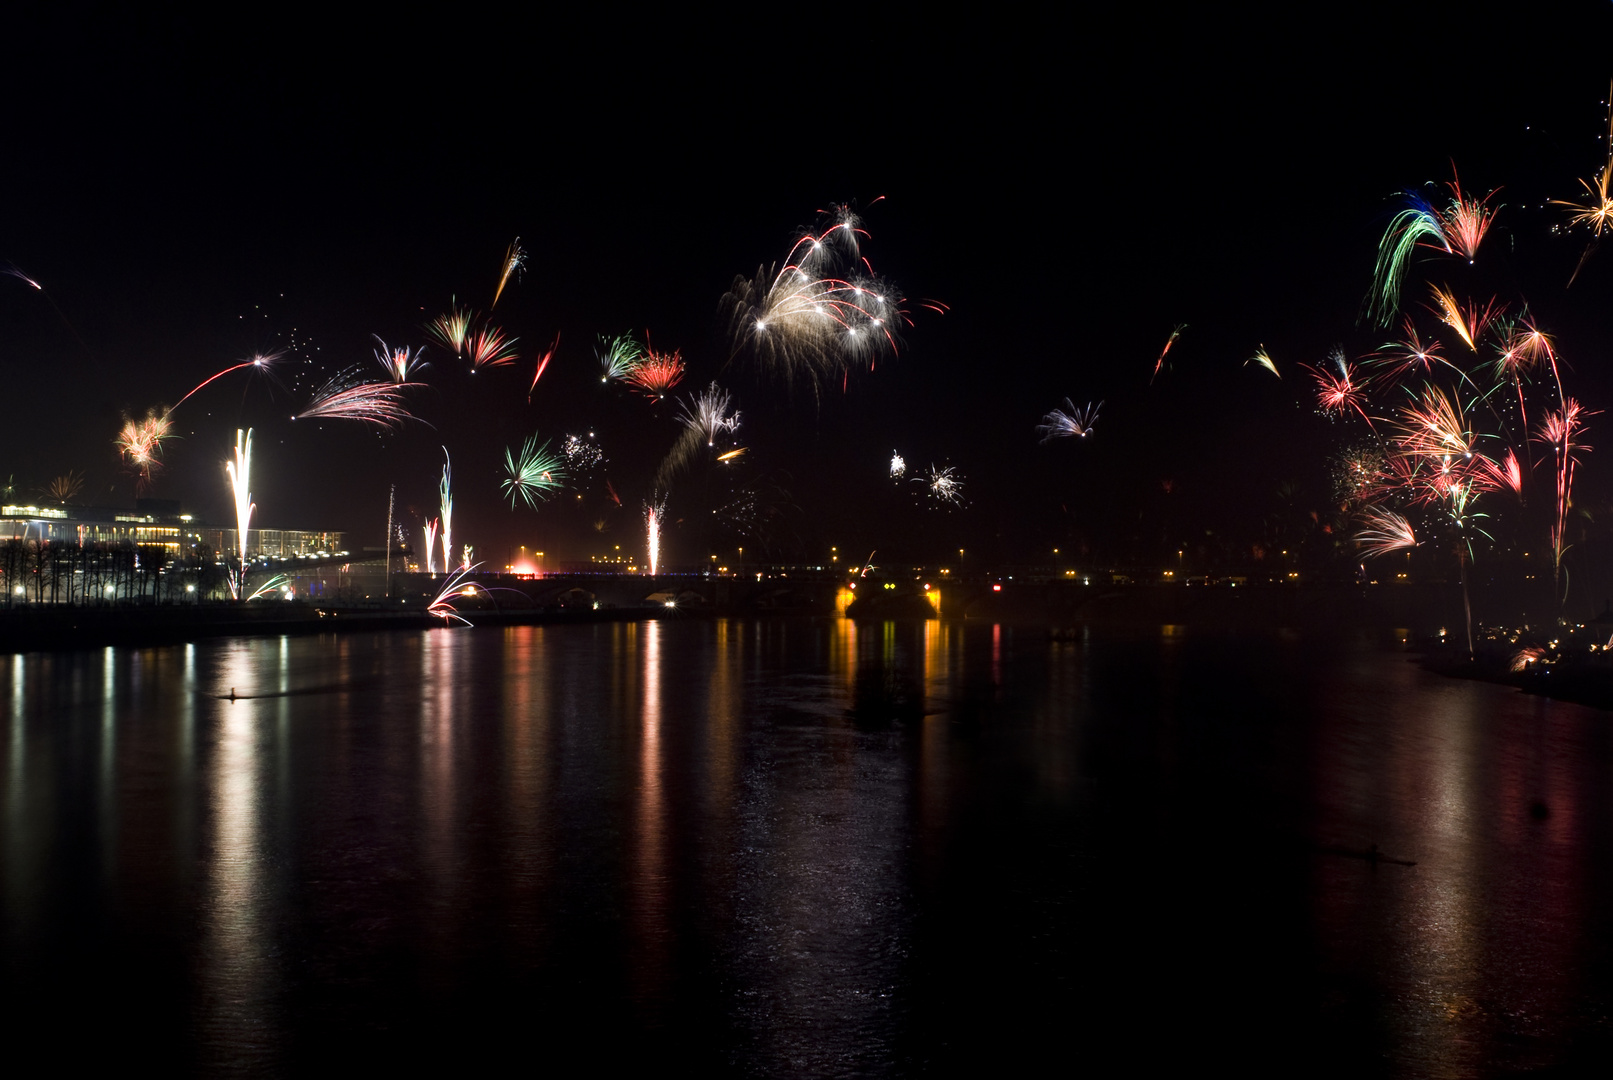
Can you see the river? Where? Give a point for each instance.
(799, 847)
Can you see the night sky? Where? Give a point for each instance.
(1071, 188)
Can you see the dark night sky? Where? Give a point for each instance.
(1072, 188)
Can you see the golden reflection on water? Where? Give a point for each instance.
(235, 997)
(650, 871)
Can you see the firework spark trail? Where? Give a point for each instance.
(1384, 532)
(654, 512)
(1469, 322)
(1560, 429)
(945, 485)
(656, 374)
(240, 474)
(1068, 421)
(277, 582)
(1410, 228)
(618, 357)
(488, 347)
(400, 364)
(1263, 359)
(452, 329)
(543, 362)
(514, 260)
(535, 475)
(898, 466)
(1176, 333)
(10, 270)
(1507, 473)
(442, 604)
(431, 546)
(446, 493)
(1529, 654)
(466, 553)
(261, 361)
(380, 404)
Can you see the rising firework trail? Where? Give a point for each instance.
(445, 491)
(261, 362)
(1176, 333)
(543, 362)
(514, 260)
(654, 514)
(431, 545)
(240, 474)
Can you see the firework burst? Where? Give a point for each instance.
(1338, 393)
(140, 443)
(488, 347)
(618, 357)
(1068, 421)
(378, 404)
(401, 364)
(452, 330)
(810, 319)
(1466, 220)
(1384, 531)
(535, 475)
(945, 485)
(1262, 358)
(898, 466)
(656, 374)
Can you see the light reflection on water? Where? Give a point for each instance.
(801, 847)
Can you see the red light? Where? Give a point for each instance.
(996, 588)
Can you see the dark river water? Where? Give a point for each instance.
(799, 848)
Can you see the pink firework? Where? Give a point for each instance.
(1383, 532)
(378, 404)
